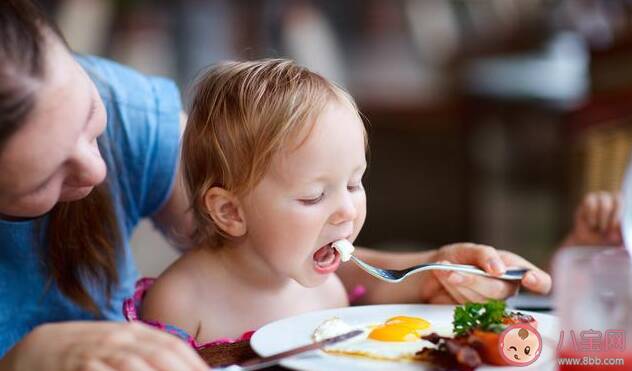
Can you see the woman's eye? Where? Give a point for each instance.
(40, 188)
(312, 201)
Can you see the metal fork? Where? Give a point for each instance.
(393, 275)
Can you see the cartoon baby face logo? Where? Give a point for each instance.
(520, 344)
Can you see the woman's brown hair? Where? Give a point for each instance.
(81, 236)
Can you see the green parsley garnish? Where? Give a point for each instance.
(486, 317)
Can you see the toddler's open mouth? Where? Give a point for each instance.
(326, 259)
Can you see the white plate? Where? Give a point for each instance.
(295, 331)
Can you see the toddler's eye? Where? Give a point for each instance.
(313, 201)
(514, 348)
(355, 187)
(527, 350)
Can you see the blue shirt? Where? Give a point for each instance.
(140, 147)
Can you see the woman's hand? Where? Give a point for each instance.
(454, 287)
(101, 346)
(597, 221)
(441, 287)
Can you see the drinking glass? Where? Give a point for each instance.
(593, 297)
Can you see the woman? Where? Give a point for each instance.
(87, 149)
(51, 114)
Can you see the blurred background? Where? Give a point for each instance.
(488, 119)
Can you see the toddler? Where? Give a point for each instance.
(273, 159)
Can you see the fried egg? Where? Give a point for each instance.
(395, 339)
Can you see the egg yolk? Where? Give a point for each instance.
(400, 328)
(393, 333)
(415, 323)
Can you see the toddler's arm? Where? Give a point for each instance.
(172, 300)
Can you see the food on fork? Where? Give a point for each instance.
(344, 248)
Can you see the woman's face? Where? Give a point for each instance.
(53, 156)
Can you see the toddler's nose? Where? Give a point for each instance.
(345, 212)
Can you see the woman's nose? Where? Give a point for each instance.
(88, 166)
(346, 210)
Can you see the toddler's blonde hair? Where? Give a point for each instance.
(242, 114)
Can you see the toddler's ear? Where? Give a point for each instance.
(225, 210)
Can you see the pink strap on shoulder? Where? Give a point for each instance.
(131, 311)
